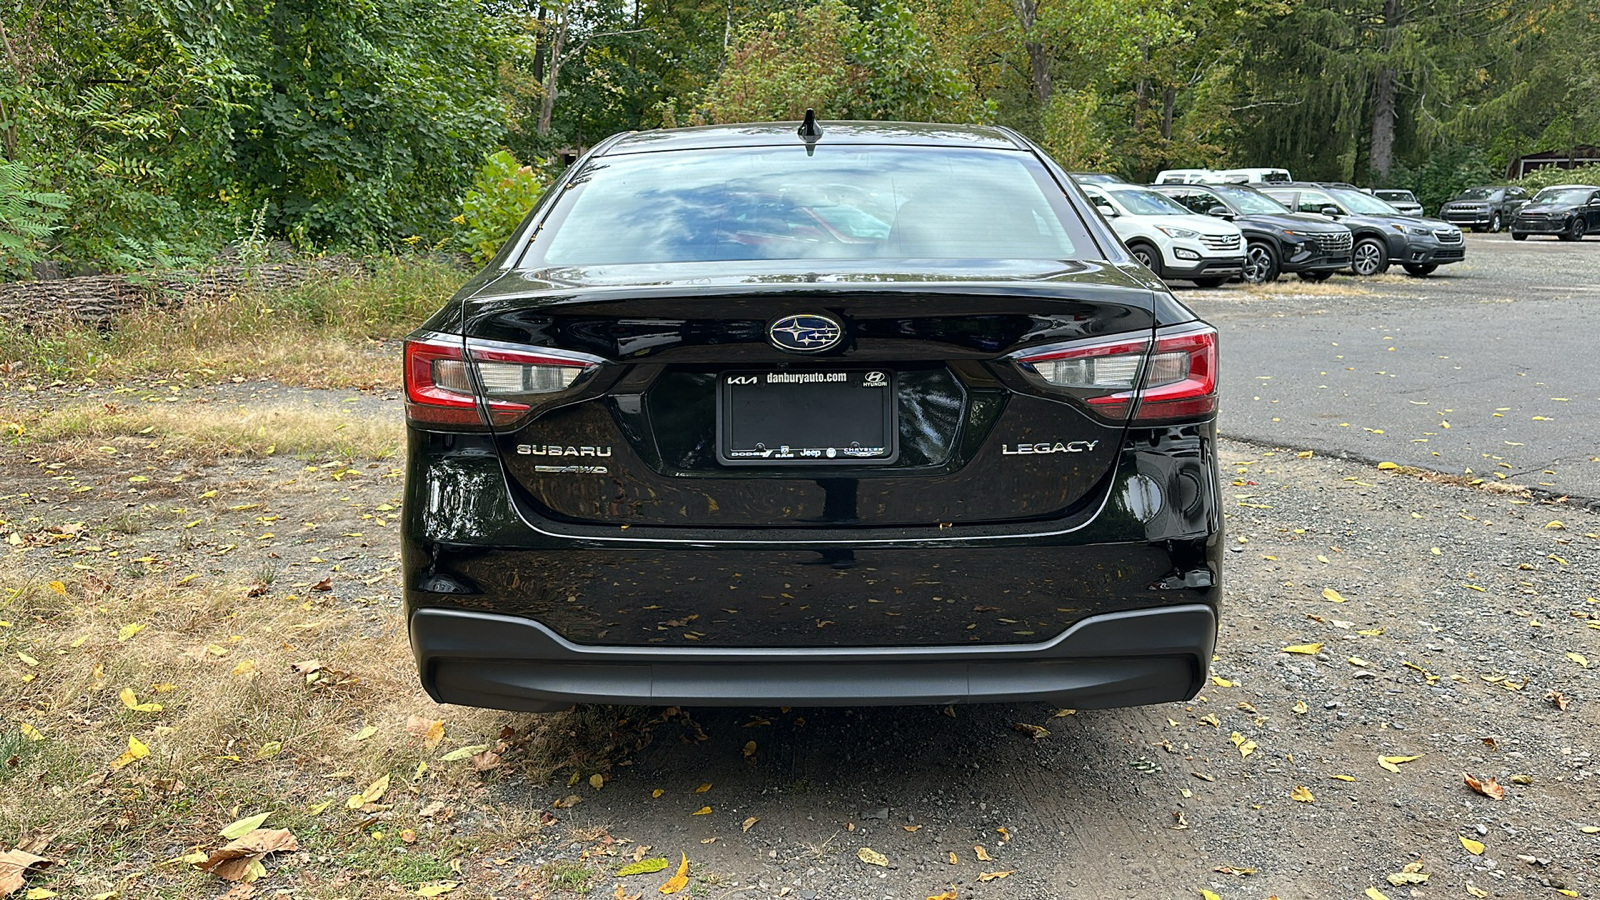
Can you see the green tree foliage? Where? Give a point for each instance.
(174, 126)
(825, 57)
(500, 197)
(27, 217)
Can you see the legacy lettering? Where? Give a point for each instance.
(1046, 447)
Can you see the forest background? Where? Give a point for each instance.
(140, 134)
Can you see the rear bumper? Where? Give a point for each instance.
(1127, 658)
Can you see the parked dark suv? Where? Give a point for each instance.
(1484, 208)
(1568, 211)
(1382, 235)
(882, 413)
(1277, 240)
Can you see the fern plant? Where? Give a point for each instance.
(27, 217)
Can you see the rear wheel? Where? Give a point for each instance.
(1494, 223)
(1421, 270)
(1209, 282)
(1576, 230)
(1315, 276)
(1148, 256)
(1518, 236)
(1260, 263)
(1369, 257)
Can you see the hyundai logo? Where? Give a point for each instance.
(805, 333)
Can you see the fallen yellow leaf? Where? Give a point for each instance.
(983, 855)
(703, 788)
(1332, 595)
(131, 701)
(1579, 659)
(702, 811)
(1473, 847)
(1375, 894)
(436, 889)
(372, 794)
(991, 876)
(872, 857)
(1389, 763)
(1305, 649)
(136, 751)
(1302, 794)
(678, 881)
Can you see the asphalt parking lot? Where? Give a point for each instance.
(1486, 368)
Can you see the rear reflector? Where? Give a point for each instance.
(1179, 374)
(440, 387)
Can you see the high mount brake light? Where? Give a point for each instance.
(1179, 374)
(440, 386)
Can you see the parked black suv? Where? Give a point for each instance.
(1382, 235)
(1277, 240)
(1568, 211)
(1484, 208)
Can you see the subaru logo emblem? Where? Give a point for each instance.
(805, 333)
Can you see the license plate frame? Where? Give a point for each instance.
(829, 403)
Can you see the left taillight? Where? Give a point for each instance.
(1173, 378)
(444, 391)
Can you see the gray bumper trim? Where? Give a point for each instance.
(1116, 659)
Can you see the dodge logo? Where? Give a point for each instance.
(806, 333)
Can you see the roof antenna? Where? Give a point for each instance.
(810, 131)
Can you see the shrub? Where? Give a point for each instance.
(1543, 178)
(501, 196)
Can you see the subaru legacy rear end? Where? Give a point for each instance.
(868, 414)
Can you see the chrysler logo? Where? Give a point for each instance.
(806, 333)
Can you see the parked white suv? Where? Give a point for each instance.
(1169, 239)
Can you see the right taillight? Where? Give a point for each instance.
(1181, 381)
(1171, 378)
(441, 390)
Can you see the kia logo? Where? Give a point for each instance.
(805, 333)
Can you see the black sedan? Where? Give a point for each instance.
(1568, 211)
(872, 414)
(1277, 240)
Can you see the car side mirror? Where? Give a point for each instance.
(1221, 212)
(1333, 211)
(1107, 210)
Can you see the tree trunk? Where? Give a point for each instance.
(1383, 116)
(1141, 91)
(547, 106)
(1383, 96)
(1038, 54)
(542, 51)
(1169, 101)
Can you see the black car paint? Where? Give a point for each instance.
(851, 561)
(1561, 220)
(1292, 237)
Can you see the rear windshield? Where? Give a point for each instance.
(1477, 194)
(1402, 196)
(778, 203)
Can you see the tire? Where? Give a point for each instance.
(1518, 236)
(1576, 230)
(1148, 256)
(1494, 224)
(1260, 263)
(1314, 276)
(1209, 282)
(1370, 256)
(1420, 270)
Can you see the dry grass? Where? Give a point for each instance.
(237, 733)
(326, 333)
(203, 433)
